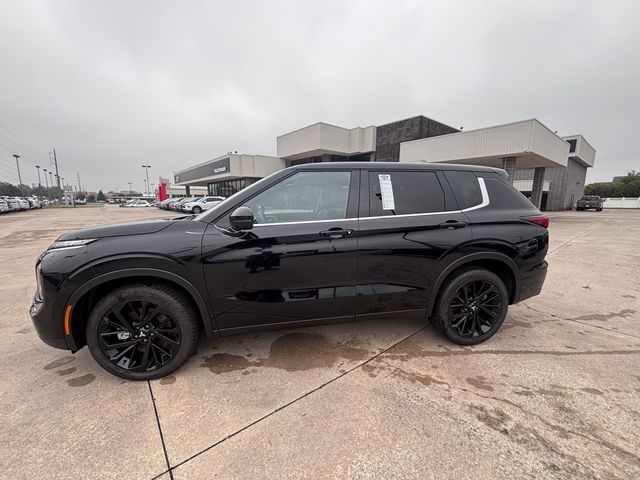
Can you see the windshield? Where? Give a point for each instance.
(590, 197)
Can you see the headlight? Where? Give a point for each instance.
(71, 243)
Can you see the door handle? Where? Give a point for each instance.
(452, 224)
(336, 232)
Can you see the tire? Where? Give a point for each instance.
(168, 336)
(479, 317)
(196, 210)
(598, 209)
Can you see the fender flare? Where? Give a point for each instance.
(201, 305)
(467, 259)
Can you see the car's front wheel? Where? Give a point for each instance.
(472, 306)
(142, 332)
(197, 210)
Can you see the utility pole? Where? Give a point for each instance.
(146, 168)
(79, 184)
(130, 183)
(16, 156)
(50, 178)
(55, 160)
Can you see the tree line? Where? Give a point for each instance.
(10, 190)
(628, 186)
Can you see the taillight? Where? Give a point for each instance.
(541, 220)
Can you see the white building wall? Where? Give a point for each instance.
(322, 137)
(530, 141)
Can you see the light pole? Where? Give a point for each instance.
(16, 156)
(46, 180)
(146, 169)
(39, 181)
(130, 183)
(146, 189)
(50, 178)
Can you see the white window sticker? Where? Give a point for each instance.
(386, 192)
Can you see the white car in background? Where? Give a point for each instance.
(24, 205)
(4, 206)
(202, 203)
(137, 204)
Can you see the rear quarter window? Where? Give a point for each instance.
(466, 188)
(503, 196)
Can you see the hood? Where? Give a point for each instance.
(119, 229)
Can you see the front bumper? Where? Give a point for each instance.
(531, 282)
(49, 325)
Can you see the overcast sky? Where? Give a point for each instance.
(115, 84)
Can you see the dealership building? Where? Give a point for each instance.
(550, 169)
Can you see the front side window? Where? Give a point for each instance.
(404, 192)
(303, 197)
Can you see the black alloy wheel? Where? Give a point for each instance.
(142, 331)
(475, 308)
(472, 306)
(139, 336)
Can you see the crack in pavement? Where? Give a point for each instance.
(164, 446)
(288, 404)
(551, 252)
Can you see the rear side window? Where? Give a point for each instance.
(505, 197)
(466, 188)
(402, 193)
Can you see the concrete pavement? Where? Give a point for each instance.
(555, 394)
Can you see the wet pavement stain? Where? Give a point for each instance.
(58, 363)
(66, 371)
(593, 391)
(81, 381)
(603, 317)
(292, 352)
(480, 382)
(515, 323)
(168, 380)
(628, 296)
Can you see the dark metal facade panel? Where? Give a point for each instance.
(218, 167)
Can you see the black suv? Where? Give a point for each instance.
(311, 244)
(589, 202)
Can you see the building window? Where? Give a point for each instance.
(226, 188)
(572, 145)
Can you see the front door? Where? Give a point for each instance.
(298, 263)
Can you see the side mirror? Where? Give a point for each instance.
(242, 218)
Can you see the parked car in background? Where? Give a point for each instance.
(310, 244)
(34, 202)
(200, 204)
(12, 204)
(81, 201)
(23, 203)
(177, 206)
(137, 204)
(589, 202)
(4, 207)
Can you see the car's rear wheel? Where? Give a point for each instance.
(197, 210)
(142, 332)
(472, 306)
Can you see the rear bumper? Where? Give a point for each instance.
(531, 282)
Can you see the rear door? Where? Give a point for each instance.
(410, 228)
